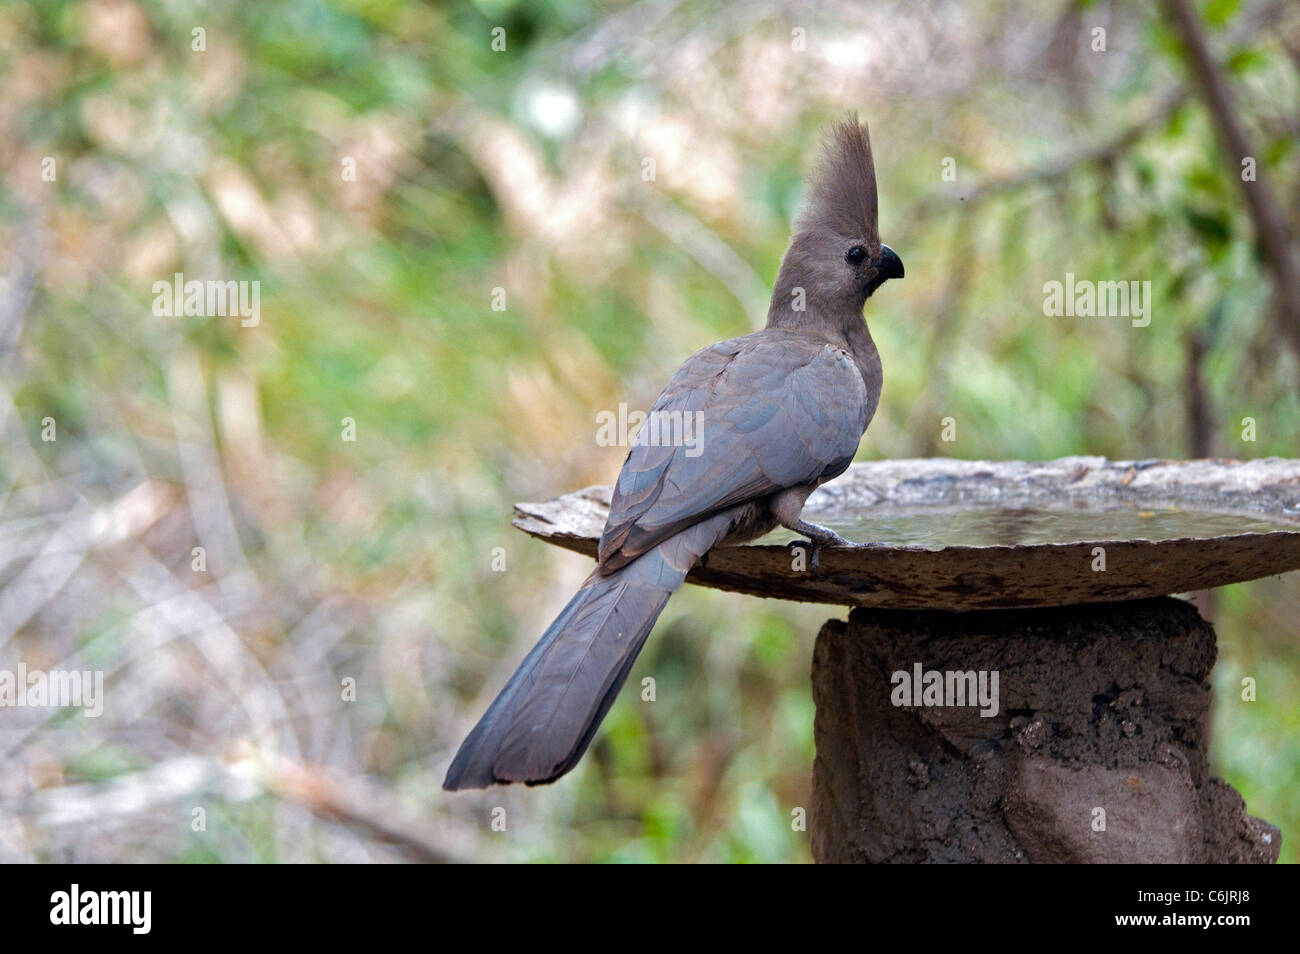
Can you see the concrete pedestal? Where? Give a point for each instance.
(1097, 751)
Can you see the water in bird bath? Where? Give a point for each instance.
(937, 527)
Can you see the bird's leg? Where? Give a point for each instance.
(822, 536)
(787, 509)
(818, 537)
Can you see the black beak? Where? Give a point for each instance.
(889, 265)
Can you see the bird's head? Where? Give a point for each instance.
(836, 256)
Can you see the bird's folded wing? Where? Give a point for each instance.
(768, 411)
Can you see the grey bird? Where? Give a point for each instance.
(782, 412)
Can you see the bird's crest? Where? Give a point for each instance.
(841, 192)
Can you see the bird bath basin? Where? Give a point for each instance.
(951, 534)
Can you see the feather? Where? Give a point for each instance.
(842, 189)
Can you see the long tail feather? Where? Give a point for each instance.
(541, 723)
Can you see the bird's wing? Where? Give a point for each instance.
(775, 409)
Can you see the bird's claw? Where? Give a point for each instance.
(814, 546)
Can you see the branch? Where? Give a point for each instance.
(1051, 172)
(335, 797)
(1271, 227)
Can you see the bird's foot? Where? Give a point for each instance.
(818, 537)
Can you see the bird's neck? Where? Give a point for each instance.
(867, 358)
(798, 299)
(797, 305)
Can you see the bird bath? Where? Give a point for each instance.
(950, 534)
(1097, 750)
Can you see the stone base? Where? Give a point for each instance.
(1097, 752)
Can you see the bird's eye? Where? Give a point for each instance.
(855, 255)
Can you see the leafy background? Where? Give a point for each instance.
(521, 169)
